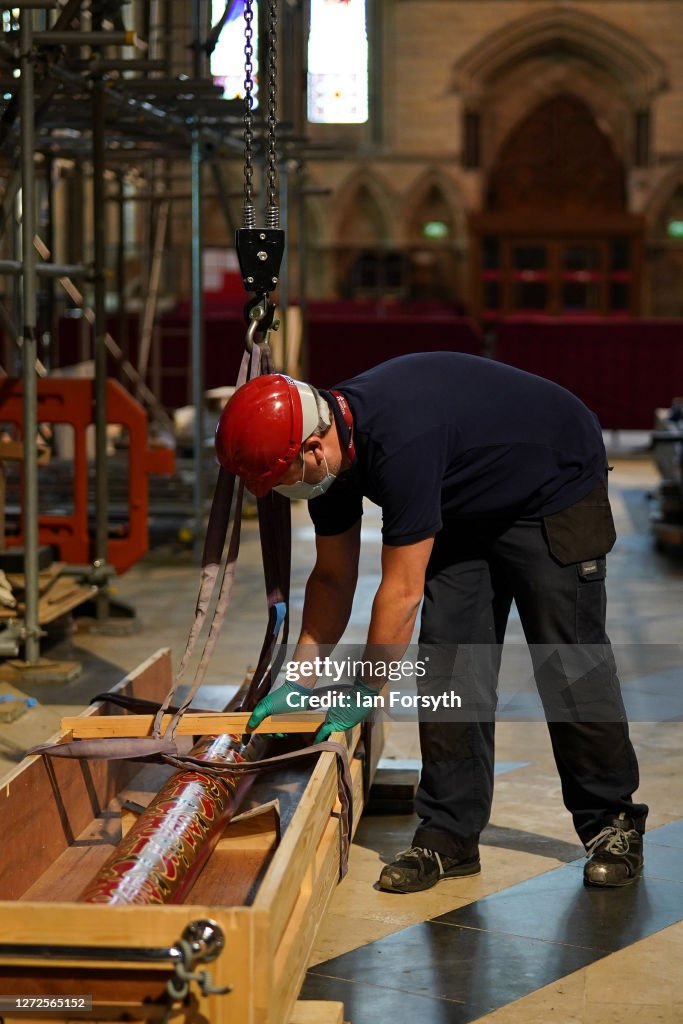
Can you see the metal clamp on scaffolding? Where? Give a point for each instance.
(260, 250)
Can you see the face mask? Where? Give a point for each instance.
(301, 489)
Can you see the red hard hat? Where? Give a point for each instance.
(262, 428)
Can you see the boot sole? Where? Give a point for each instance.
(460, 872)
(612, 885)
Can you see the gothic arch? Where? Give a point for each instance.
(364, 235)
(435, 271)
(553, 52)
(561, 32)
(557, 159)
(433, 196)
(525, 86)
(665, 253)
(663, 194)
(364, 213)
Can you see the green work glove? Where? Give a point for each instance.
(354, 711)
(275, 703)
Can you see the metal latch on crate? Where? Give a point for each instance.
(201, 942)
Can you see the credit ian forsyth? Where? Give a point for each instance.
(393, 699)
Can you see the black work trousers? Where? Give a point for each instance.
(474, 574)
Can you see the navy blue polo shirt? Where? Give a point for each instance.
(442, 436)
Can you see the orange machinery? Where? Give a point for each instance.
(63, 401)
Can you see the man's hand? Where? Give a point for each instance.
(275, 703)
(354, 711)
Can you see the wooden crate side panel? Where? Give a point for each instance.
(291, 959)
(315, 1011)
(261, 970)
(280, 887)
(126, 987)
(121, 983)
(357, 791)
(47, 802)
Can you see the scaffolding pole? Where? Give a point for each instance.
(29, 344)
(152, 296)
(100, 346)
(169, 114)
(121, 266)
(197, 327)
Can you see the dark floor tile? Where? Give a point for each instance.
(482, 969)
(365, 1004)
(557, 907)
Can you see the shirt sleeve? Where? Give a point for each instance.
(338, 509)
(409, 485)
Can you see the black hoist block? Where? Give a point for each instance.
(260, 252)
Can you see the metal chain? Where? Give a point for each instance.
(272, 210)
(249, 211)
(260, 250)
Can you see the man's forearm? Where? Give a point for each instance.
(327, 608)
(390, 632)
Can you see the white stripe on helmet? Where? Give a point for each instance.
(314, 415)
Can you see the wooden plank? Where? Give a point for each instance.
(239, 861)
(58, 594)
(315, 1011)
(256, 829)
(357, 792)
(46, 802)
(92, 925)
(152, 927)
(46, 578)
(12, 703)
(67, 876)
(205, 723)
(293, 952)
(13, 451)
(285, 876)
(230, 877)
(63, 597)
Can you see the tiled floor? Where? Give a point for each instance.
(524, 942)
(498, 949)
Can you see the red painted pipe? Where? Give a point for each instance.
(158, 861)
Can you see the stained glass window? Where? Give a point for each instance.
(227, 59)
(338, 62)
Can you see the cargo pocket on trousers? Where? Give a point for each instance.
(582, 531)
(591, 601)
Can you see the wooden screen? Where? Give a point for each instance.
(556, 238)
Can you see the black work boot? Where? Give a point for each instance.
(417, 868)
(615, 855)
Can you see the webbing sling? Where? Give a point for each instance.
(176, 753)
(214, 542)
(275, 532)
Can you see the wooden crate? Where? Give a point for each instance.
(60, 820)
(57, 594)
